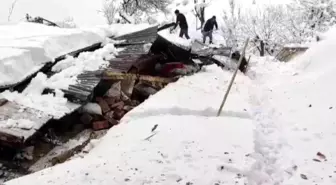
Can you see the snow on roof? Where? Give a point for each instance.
(189, 143)
(175, 39)
(116, 30)
(27, 47)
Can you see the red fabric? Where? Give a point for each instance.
(169, 67)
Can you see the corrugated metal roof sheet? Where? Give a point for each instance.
(141, 37)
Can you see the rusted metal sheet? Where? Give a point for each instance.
(11, 112)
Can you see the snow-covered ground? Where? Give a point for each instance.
(277, 127)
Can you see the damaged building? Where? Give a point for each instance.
(146, 63)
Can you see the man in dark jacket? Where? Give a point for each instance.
(208, 28)
(182, 22)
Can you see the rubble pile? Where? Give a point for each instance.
(125, 92)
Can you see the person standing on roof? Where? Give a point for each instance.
(182, 22)
(208, 28)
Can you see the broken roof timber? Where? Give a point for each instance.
(12, 134)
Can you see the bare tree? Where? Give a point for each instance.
(11, 9)
(110, 11)
(143, 9)
(132, 11)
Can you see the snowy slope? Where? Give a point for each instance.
(189, 144)
(308, 105)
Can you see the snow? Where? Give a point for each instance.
(71, 67)
(181, 42)
(277, 127)
(92, 108)
(21, 123)
(278, 120)
(27, 47)
(26, 52)
(181, 149)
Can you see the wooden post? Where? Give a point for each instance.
(232, 79)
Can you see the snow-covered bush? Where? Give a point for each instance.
(133, 11)
(272, 26)
(110, 11)
(67, 23)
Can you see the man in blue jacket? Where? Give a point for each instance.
(208, 28)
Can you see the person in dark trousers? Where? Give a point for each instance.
(208, 28)
(182, 22)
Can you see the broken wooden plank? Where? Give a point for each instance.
(152, 80)
(63, 152)
(12, 115)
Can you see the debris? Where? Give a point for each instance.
(86, 119)
(316, 160)
(124, 97)
(321, 156)
(26, 154)
(110, 118)
(310, 105)
(114, 91)
(127, 86)
(100, 125)
(110, 101)
(304, 177)
(104, 106)
(149, 137)
(3, 102)
(154, 128)
(119, 113)
(118, 105)
(40, 20)
(144, 91)
(128, 108)
(62, 152)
